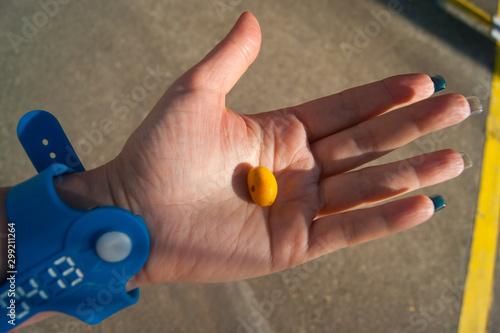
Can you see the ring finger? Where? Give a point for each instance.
(374, 184)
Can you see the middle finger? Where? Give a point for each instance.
(372, 185)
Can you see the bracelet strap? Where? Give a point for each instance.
(45, 142)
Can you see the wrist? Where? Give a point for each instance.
(97, 188)
(86, 190)
(89, 249)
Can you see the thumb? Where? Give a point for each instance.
(228, 60)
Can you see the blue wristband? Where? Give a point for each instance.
(65, 259)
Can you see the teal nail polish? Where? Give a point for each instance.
(438, 201)
(439, 82)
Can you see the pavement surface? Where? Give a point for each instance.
(87, 54)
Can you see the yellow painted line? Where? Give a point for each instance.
(479, 283)
(470, 14)
(472, 10)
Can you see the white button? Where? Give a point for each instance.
(113, 246)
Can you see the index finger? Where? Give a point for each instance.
(331, 114)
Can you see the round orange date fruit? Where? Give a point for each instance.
(262, 186)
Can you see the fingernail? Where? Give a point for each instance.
(475, 105)
(439, 82)
(438, 201)
(467, 160)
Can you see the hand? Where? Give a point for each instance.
(184, 170)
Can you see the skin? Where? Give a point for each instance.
(184, 170)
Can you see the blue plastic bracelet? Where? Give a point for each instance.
(65, 259)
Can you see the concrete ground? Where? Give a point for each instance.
(89, 53)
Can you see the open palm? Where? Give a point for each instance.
(184, 169)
